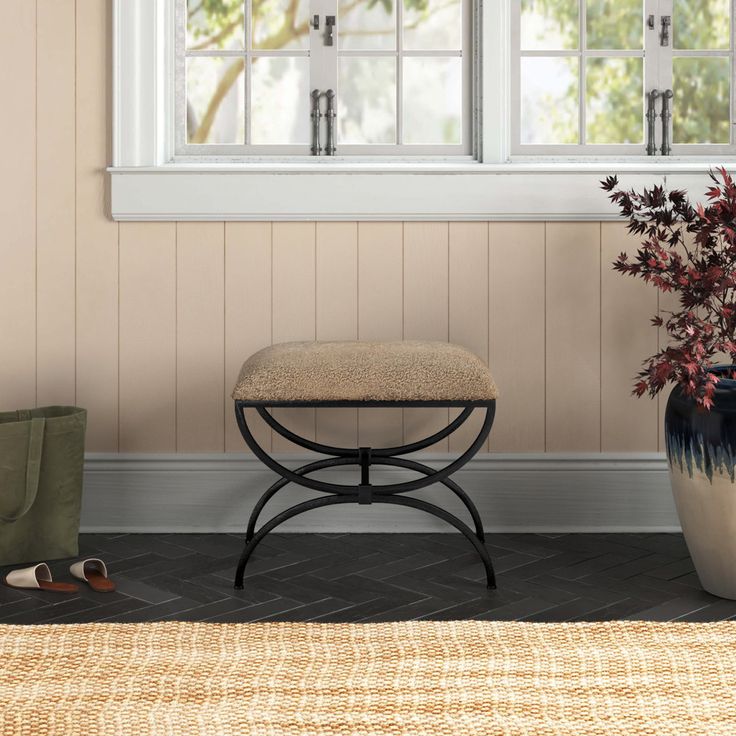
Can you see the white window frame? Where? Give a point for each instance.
(657, 66)
(148, 183)
(323, 64)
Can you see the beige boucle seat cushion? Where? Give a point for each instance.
(410, 370)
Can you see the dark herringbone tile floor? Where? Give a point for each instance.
(380, 577)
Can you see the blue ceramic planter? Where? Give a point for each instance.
(701, 454)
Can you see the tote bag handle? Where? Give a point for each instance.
(33, 464)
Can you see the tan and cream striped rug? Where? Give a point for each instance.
(415, 678)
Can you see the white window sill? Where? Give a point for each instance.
(356, 190)
(328, 165)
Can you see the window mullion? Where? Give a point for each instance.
(664, 52)
(322, 58)
(322, 65)
(248, 72)
(399, 72)
(582, 92)
(664, 62)
(331, 52)
(510, 92)
(651, 66)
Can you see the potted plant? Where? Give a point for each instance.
(690, 250)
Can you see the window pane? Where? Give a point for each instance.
(280, 100)
(219, 25)
(614, 89)
(433, 25)
(366, 110)
(215, 106)
(549, 100)
(615, 24)
(370, 24)
(432, 100)
(701, 24)
(281, 24)
(549, 24)
(702, 97)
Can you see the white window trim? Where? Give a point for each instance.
(146, 184)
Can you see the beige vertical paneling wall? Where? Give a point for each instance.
(146, 324)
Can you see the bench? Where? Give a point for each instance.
(409, 373)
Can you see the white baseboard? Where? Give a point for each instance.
(520, 492)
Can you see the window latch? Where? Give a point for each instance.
(667, 95)
(330, 22)
(315, 22)
(330, 114)
(651, 121)
(315, 114)
(664, 36)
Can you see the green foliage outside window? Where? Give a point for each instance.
(701, 86)
(614, 90)
(217, 24)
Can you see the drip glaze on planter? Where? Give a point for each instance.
(702, 440)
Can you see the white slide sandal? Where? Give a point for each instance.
(37, 577)
(93, 572)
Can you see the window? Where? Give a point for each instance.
(397, 73)
(446, 109)
(585, 73)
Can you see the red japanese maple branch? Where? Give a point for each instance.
(702, 273)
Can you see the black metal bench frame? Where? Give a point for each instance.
(365, 457)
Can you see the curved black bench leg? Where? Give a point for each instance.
(300, 508)
(430, 508)
(401, 462)
(316, 503)
(262, 501)
(469, 505)
(281, 482)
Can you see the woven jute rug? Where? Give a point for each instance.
(624, 678)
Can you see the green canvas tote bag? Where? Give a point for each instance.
(41, 470)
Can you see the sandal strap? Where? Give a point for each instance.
(29, 577)
(93, 564)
